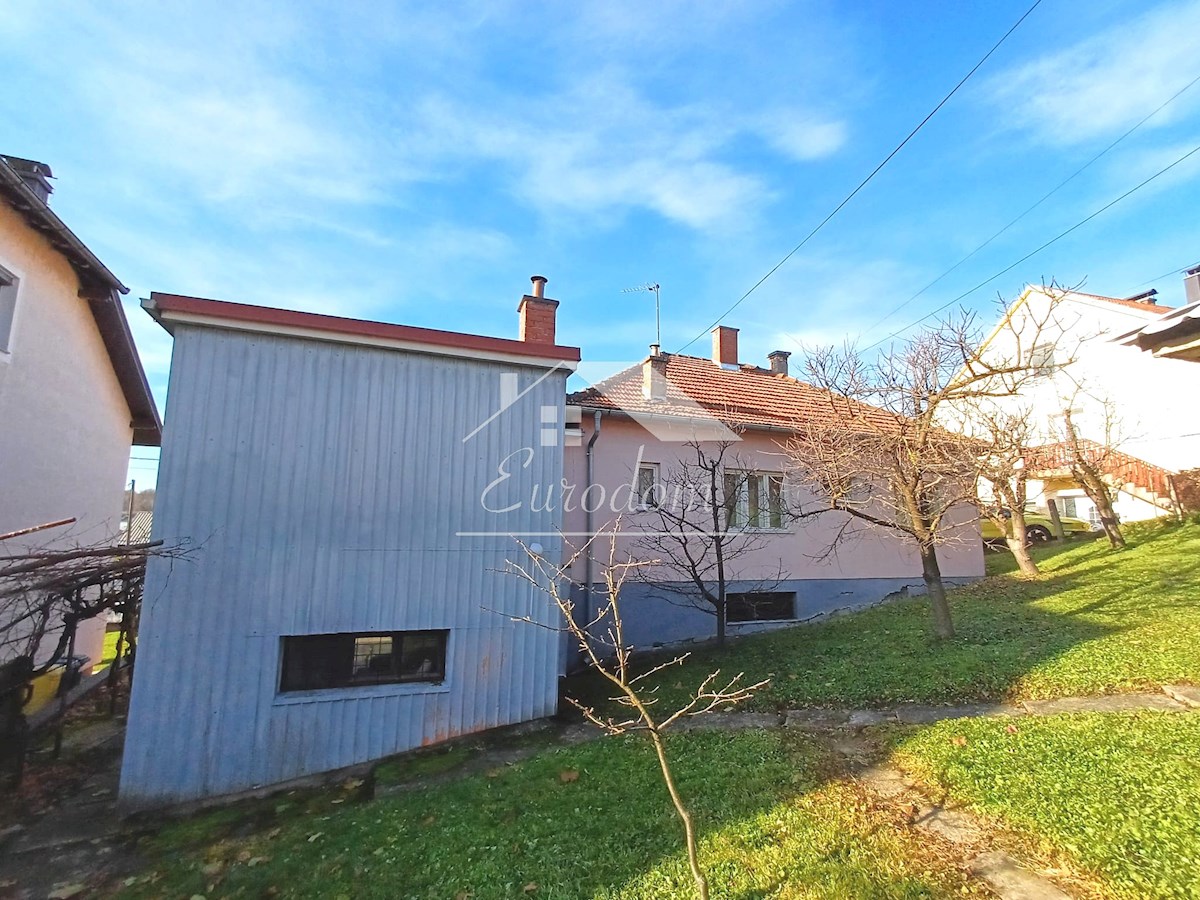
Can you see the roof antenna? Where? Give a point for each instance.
(652, 287)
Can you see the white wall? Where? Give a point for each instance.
(65, 432)
(1153, 399)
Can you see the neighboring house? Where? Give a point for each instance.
(73, 396)
(137, 530)
(636, 425)
(1176, 333)
(343, 486)
(1118, 397)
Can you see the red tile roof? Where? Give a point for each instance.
(747, 396)
(1152, 308)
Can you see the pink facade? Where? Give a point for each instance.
(870, 566)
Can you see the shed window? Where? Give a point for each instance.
(760, 606)
(314, 662)
(8, 308)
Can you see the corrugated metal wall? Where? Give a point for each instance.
(322, 486)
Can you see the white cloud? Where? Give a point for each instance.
(1108, 82)
(802, 136)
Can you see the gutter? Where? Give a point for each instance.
(667, 417)
(589, 515)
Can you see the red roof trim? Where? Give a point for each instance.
(289, 318)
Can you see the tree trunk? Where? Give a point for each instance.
(943, 625)
(689, 829)
(1018, 542)
(1097, 492)
(721, 619)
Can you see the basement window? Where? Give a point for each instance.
(760, 606)
(313, 662)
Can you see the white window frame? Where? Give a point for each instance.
(744, 518)
(9, 286)
(644, 502)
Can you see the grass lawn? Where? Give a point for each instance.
(771, 822)
(1094, 622)
(1118, 793)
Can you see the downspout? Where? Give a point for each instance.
(589, 524)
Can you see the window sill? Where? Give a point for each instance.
(764, 622)
(760, 530)
(360, 692)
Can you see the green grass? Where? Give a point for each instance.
(1095, 622)
(414, 765)
(772, 825)
(1118, 793)
(110, 650)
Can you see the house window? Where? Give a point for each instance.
(760, 606)
(647, 485)
(754, 499)
(314, 662)
(8, 308)
(1041, 359)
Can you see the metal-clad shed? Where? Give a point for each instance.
(333, 479)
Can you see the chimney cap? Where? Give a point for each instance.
(779, 353)
(655, 350)
(539, 285)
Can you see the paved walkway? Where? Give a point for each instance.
(65, 850)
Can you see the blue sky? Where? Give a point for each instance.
(417, 164)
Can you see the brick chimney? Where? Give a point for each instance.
(725, 346)
(1191, 285)
(654, 375)
(537, 312)
(779, 361)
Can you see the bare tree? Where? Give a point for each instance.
(1090, 462)
(44, 595)
(1005, 438)
(882, 453)
(602, 643)
(694, 527)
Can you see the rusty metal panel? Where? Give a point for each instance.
(327, 488)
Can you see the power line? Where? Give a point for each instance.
(1033, 253)
(1046, 197)
(1166, 275)
(862, 184)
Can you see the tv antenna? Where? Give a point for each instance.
(653, 288)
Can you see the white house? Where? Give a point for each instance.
(1176, 333)
(352, 490)
(73, 396)
(1116, 395)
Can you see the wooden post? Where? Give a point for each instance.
(1055, 520)
(114, 672)
(64, 688)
